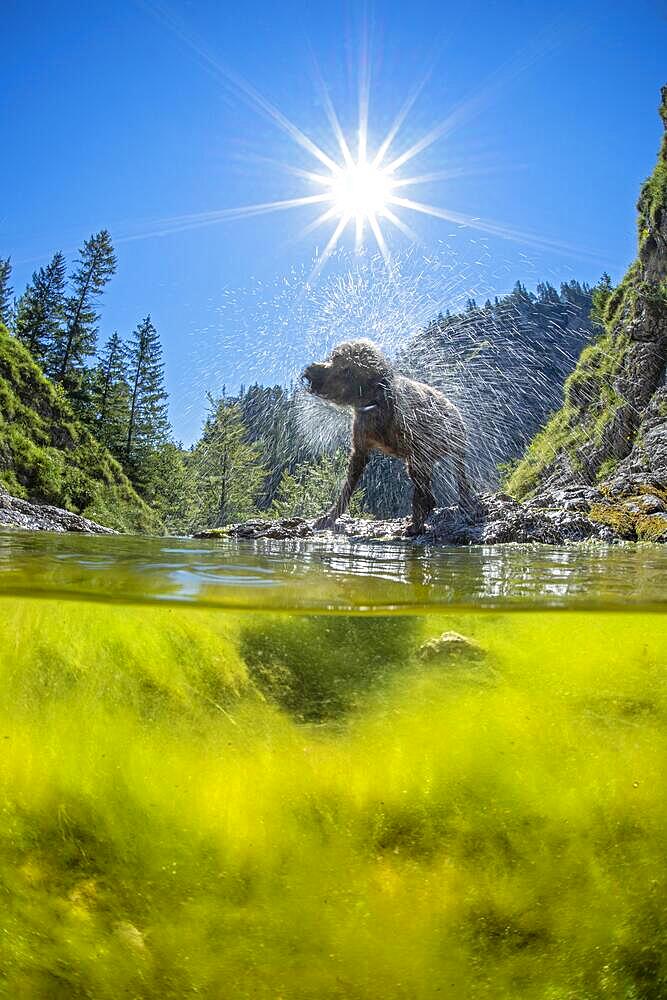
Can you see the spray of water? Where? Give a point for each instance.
(489, 362)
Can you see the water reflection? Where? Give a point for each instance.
(318, 574)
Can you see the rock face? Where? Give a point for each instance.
(555, 517)
(18, 513)
(612, 428)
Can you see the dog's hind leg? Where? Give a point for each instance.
(467, 496)
(423, 500)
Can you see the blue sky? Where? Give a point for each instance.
(125, 115)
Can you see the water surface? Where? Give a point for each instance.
(316, 575)
(234, 770)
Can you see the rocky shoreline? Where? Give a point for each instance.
(17, 513)
(623, 511)
(637, 512)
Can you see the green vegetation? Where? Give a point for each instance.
(592, 400)
(47, 454)
(589, 401)
(313, 488)
(653, 198)
(117, 397)
(227, 471)
(474, 830)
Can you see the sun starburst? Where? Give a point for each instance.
(354, 187)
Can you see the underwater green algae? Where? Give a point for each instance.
(171, 826)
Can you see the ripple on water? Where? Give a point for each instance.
(316, 574)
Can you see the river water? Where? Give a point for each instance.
(258, 770)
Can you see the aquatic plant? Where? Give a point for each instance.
(291, 659)
(488, 830)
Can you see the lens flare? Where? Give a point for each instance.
(361, 191)
(354, 185)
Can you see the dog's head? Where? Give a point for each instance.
(353, 375)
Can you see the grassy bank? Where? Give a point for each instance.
(47, 455)
(172, 827)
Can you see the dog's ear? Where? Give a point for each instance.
(365, 359)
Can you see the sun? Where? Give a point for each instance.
(361, 191)
(350, 184)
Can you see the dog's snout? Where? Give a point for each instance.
(312, 375)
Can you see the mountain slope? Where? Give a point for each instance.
(612, 427)
(47, 455)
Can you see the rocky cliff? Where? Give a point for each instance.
(611, 431)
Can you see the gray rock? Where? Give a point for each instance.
(646, 503)
(571, 498)
(450, 646)
(16, 513)
(556, 517)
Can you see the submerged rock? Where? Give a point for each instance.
(16, 513)
(131, 937)
(450, 646)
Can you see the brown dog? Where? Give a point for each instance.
(397, 415)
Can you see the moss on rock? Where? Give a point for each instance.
(631, 517)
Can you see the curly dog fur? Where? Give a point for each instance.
(396, 415)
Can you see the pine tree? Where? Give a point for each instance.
(39, 311)
(313, 488)
(5, 291)
(601, 294)
(78, 341)
(546, 293)
(169, 487)
(228, 470)
(148, 424)
(111, 396)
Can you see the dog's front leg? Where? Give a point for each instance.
(355, 468)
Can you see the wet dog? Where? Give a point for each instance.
(396, 415)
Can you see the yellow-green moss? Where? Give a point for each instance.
(615, 516)
(213, 533)
(631, 524)
(492, 833)
(650, 527)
